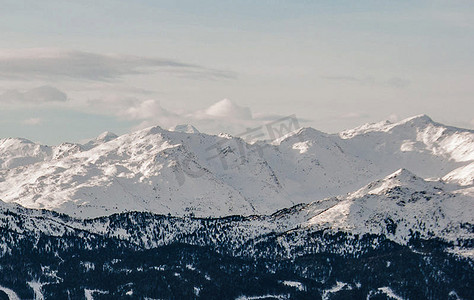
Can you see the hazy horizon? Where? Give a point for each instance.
(70, 71)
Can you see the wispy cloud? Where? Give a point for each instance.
(32, 121)
(47, 64)
(349, 79)
(39, 95)
(395, 82)
(398, 82)
(354, 115)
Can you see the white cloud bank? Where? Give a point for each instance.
(224, 109)
(222, 116)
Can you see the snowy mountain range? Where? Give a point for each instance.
(306, 193)
(184, 171)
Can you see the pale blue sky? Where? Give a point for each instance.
(123, 65)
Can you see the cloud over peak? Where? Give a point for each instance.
(227, 109)
(222, 116)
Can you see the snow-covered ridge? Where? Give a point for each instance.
(400, 204)
(102, 138)
(18, 152)
(399, 207)
(182, 172)
(463, 176)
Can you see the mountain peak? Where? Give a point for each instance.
(402, 174)
(152, 130)
(404, 177)
(301, 134)
(16, 141)
(401, 178)
(416, 120)
(366, 128)
(102, 138)
(385, 126)
(106, 136)
(309, 131)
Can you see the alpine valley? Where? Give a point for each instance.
(382, 211)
